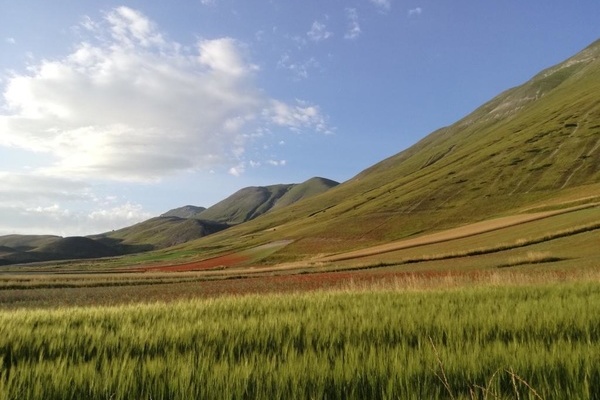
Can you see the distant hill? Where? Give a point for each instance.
(184, 212)
(174, 227)
(32, 248)
(76, 247)
(251, 202)
(158, 233)
(26, 242)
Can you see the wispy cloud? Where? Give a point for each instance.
(383, 5)
(318, 32)
(10, 40)
(415, 12)
(130, 104)
(298, 117)
(353, 30)
(277, 163)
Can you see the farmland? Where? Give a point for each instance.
(364, 341)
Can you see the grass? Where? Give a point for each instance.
(375, 343)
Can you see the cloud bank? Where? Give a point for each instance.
(129, 104)
(383, 5)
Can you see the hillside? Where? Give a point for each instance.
(174, 227)
(184, 212)
(531, 146)
(75, 247)
(33, 248)
(158, 233)
(251, 202)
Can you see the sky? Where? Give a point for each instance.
(115, 112)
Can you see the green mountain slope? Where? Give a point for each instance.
(75, 247)
(184, 212)
(34, 248)
(26, 242)
(530, 145)
(158, 233)
(251, 202)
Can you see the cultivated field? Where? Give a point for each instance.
(493, 341)
(502, 309)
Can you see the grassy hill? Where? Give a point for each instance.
(175, 227)
(158, 233)
(535, 145)
(251, 202)
(184, 212)
(26, 242)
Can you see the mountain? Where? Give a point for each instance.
(251, 202)
(75, 247)
(26, 242)
(174, 227)
(529, 146)
(158, 233)
(184, 212)
(33, 248)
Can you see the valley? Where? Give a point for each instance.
(467, 266)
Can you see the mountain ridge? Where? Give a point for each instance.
(175, 227)
(529, 144)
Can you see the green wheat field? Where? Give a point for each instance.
(526, 341)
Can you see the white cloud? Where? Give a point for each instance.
(37, 204)
(277, 163)
(318, 32)
(383, 5)
(121, 215)
(29, 190)
(223, 56)
(238, 170)
(353, 30)
(130, 28)
(55, 219)
(415, 12)
(298, 117)
(129, 104)
(10, 40)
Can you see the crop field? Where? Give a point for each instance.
(491, 341)
(508, 312)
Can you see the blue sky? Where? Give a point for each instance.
(114, 112)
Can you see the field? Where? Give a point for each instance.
(505, 308)
(526, 341)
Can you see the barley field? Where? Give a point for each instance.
(526, 342)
